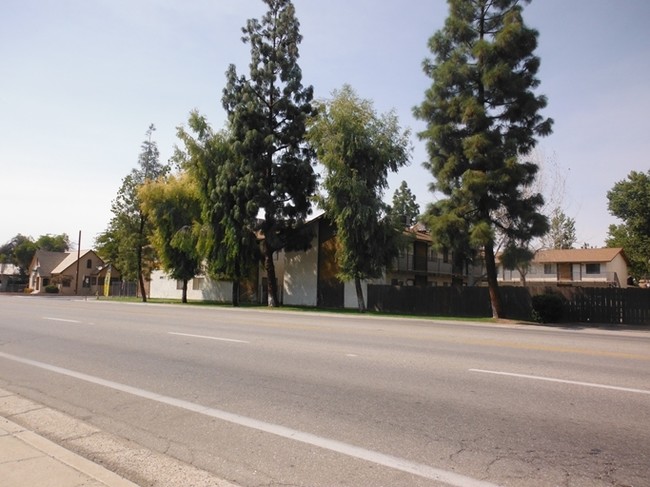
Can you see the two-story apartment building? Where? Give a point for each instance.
(421, 264)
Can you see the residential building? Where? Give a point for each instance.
(603, 267)
(82, 273)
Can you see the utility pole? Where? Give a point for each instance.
(76, 286)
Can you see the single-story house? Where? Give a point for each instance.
(602, 267)
(83, 275)
(9, 276)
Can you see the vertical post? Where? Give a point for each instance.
(76, 287)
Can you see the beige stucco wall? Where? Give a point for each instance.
(164, 287)
(300, 281)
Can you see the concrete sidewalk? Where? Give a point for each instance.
(27, 460)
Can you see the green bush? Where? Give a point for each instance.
(52, 289)
(547, 308)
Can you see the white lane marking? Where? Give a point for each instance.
(62, 320)
(207, 337)
(562, 381)
(390, 461)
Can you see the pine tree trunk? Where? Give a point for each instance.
(235, 292)
(184, 298)
(493, 284)
(360, 300)
(272, 285)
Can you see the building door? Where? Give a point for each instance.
(564, 272)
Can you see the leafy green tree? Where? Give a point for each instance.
(358, 148)
(268, 112)
(172, 206)
(20, 250)
(54, 243)
(404, 211)
(126, 242)
(629, 200)
(229, 214)
(562, 231)
(482, 121)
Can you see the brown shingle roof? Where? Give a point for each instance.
(577, 256)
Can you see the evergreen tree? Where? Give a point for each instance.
(482, 122)
(629, 200)
(404, 211)
(358, 148)
(172, 207)
(126, 240)
(562, 231)
(268, 112)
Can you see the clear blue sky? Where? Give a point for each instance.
(81, 80)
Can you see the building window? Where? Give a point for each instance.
(445, 256)
(592, 268)
(197, 283)
(548, 269)
(89, 264)
(179, 284)
(66, 282)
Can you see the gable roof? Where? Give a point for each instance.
(576, 256)
(56, 262)
(47, 261)
(70, 259)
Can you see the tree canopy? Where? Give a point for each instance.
(629, 200)
(20, 250)
(483, 119)
(404, 210)
(126, 241)
(226, 237)
(172, 207)
(267, 114)
(358, 148)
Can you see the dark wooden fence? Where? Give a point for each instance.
(581, 305)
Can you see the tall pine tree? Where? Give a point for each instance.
(268, 111)
(482, 122)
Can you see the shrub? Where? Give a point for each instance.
(52, 289)
(547, 308)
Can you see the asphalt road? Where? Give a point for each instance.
(261, 397)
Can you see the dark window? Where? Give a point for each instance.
(593, 268)
(89, 264)
(548, 269)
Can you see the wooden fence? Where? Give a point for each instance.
(611, 306)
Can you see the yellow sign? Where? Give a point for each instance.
(107, 281)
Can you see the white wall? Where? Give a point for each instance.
(301, 277)
(164, 287)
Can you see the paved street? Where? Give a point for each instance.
(259, 397)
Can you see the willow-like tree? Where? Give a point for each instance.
(226, 236)
(358, 148)
(267, 112)
(483, 119)
(126, 241)
(173, 208)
